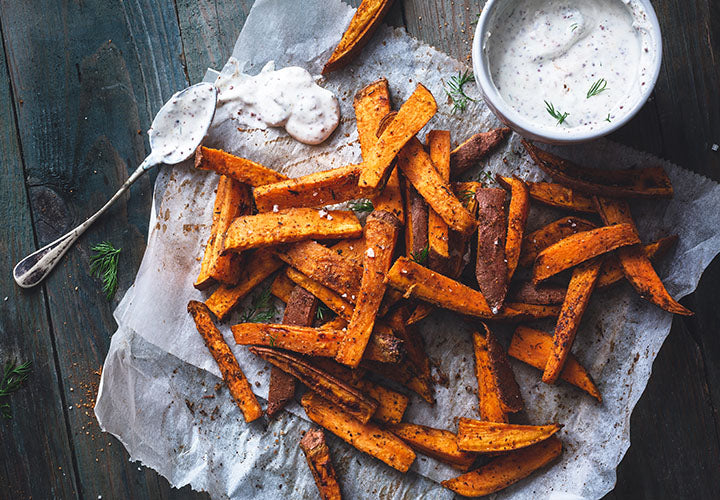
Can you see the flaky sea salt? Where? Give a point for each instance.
(370, 252)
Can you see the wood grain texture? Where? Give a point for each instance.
(111, 66)
(37, 409)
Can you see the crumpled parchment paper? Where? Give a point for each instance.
(158, 369)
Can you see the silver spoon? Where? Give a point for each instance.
(175, 133)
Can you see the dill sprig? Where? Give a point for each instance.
(484, 177)
(261, 310)
(560, 117)
(13, 377)
(454, 90)
(361, 206)
(597, 87)
(608, 118)
(322, 312)
(573, 26)
(466, 197)
(104, 264)
(421, 256)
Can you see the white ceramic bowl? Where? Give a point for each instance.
(517, 121)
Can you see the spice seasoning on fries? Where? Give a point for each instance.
(354, 293)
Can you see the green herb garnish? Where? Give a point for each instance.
(421, 257)
(104, 264)
(361, 206)
(466, 197)
(13, 377)
(261, 310)
(484, 177)
(454, 90)
(608, 118)
(560, 117)
(573, 26)
(272, 341)
(597, 87)
(322, 312)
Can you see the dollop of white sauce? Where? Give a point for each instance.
(553, 51)
(288, 97)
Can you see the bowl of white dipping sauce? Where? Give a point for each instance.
(566, 71)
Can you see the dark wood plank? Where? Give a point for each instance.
(209, 29)
(35, 456)
(85, 88)
(675, 451)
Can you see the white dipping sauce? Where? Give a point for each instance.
(288, 97)
(556, 50)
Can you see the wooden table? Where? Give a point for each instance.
(79, 84)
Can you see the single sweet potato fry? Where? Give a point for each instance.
(241, 169)
(390, 198)
(581, 286)
(436, 443)
(422, 283)
(539, 240)
(233, 376)
(288, 226)
(581, 247)
(517, 216)
(313, 190)
(491, 410)
(521, 311)
(534, 347)
(503, 379)
(612, 272)
(324, 265)
(649, 182)
(505, 470)
(557, 195)
(366, 19)
(412, 116)
(282, 287)
(233, 199)
(337, 304)
(371, 104)
(349, 399)
(381, 233)
(300, 310)
(415, 164)
(300, 339)
(317, 455)
(416, 225)
(491, 268)
(540, 294)
(635, 264)
(382, 347)
(474, 149)
(368, 438)
(438, 144)
(492, 437)
(261, 264)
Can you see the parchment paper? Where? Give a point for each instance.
(154, 358)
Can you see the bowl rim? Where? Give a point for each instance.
(525, 127)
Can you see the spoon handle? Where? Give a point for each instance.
(35, 267)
